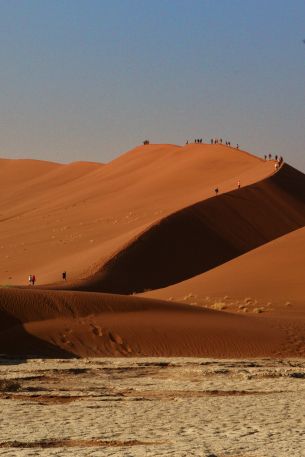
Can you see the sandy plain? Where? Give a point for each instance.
(152, 407)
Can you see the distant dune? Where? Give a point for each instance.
(149, 221)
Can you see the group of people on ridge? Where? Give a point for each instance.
(213, 141)
(278, 163)
(278, 160)
(220, 141)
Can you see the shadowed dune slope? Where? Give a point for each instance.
(57, 323)
(16, 341)
(76, 217)
(206, 234)
(272, 273)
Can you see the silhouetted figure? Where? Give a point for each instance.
(275, 157)
(146, 142)
(229, 143)
(281, 160)
(212, 141)
(237, 146)
(187, 142)
(33, 279)
(269, 155)
(220, 141)
(265, 157)
(238, 184)
(64, 275)
(216, 190)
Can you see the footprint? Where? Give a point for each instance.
(97, 330)
(115, 338)
(127, 348)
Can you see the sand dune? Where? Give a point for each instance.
(206, 234)
(44, 323)
(76, 217)
(145, 220)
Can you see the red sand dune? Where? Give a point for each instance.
(56, 323)
(76, 217)
(146, 220)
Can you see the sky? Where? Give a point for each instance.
(90, 79)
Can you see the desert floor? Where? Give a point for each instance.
(152, 407)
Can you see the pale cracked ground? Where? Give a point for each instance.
(152, 407)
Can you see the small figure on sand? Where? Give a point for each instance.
(237, 146)
(216, 190)
(145, 142)
(276, 166)
(32, 279)
(64, 275)
(238, 184)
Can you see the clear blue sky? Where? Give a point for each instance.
(89, 79)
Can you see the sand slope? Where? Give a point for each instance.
(206, 234)
(272, 273)
(89, 324)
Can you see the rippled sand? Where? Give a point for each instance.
(152, 407)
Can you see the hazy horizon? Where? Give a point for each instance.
(89, 80)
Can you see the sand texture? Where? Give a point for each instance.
(65, 323)
(152, 407)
